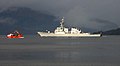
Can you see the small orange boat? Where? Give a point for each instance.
(16, 34)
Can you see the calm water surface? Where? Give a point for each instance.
(36, 51)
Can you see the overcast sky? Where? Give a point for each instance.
(95, 14)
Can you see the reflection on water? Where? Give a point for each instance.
(68, 56)
(33, 49)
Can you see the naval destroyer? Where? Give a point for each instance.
(62, 31)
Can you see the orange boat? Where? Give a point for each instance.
(16, 34)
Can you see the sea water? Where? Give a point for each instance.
(34, 50)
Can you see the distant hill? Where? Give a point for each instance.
(29, 21)
(110, 32)
(25, 20)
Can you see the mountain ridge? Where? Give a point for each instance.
(29, 21)
(109, 32)
(112, 32)
(25, 20)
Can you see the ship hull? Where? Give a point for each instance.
(44, 34)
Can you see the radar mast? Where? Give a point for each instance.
(62, 23)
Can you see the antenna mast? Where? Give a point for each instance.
(62, 22)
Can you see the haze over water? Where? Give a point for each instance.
(37, 51)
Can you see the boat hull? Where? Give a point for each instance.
(13, 36)
(44, 34)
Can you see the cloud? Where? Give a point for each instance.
(77, 12)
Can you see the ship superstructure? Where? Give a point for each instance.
(62, 31)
